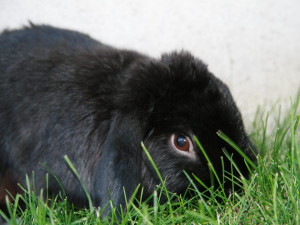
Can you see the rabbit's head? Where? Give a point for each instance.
(165, 103)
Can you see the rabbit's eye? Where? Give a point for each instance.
(181, 142)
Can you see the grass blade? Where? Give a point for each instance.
(71, 166)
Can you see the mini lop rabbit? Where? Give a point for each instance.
(63, 93)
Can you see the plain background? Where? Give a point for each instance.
(252, 45)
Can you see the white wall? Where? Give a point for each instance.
(252, 45)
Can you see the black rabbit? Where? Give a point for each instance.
(63, 93)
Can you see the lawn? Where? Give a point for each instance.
(270, 196)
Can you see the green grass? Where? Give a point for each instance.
(270, 196)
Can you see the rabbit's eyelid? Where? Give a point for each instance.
(190, 153)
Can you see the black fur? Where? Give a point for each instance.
(63, 93)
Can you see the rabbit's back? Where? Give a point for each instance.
(48, 38)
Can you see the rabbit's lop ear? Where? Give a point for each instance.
(120, 163)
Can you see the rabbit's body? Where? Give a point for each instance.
(63, 93)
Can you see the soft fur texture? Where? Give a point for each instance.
(63, 93)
